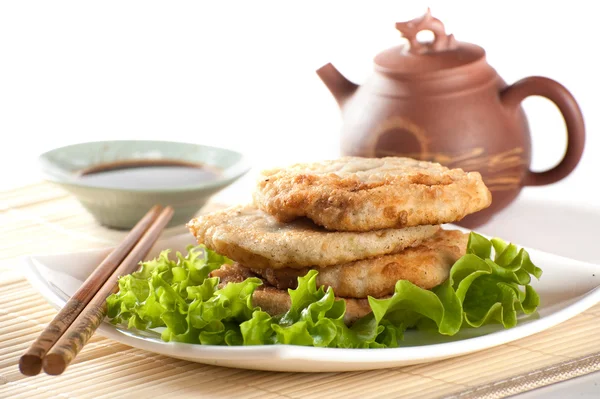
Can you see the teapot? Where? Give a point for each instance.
(441, 101)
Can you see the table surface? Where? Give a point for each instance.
(55, 222)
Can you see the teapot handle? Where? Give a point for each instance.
(513, 95)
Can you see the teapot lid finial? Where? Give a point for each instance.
(414, 58)
(441, 42)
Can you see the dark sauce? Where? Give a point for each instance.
(149, 174)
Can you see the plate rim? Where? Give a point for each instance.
(413, 354)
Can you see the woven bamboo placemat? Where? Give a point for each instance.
(43, 219)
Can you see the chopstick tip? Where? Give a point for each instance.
(54, 364)
(30, 365)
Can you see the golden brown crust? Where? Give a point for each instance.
(232, 273)
(275, 301)
(256, 239)
(363, 194)
(426, 266)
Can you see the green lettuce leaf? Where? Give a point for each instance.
(179, 297)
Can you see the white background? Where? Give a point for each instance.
(241, 74)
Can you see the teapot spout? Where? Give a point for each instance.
(340, 87)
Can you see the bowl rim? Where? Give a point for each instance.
(53, 174)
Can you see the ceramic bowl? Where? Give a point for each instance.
(123, 207)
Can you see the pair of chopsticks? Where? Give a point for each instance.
(77, 321)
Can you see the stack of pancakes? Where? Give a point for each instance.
(362, 223)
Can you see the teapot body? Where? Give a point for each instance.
(469, 128)
(441, 101)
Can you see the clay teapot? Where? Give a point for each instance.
(441, 101)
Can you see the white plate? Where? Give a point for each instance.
(567, 288)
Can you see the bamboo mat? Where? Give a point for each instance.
(43, 219)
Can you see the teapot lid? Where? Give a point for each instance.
(419, 58)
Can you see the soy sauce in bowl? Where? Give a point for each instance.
(148, 174)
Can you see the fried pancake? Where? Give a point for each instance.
(256, 239)
(364, 194)
(275, 301)
(426, 266)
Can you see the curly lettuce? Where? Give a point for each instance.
(179, 297)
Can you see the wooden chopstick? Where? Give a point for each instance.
(31, 362)
(86, 323)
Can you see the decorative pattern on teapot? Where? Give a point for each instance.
(502, 171)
